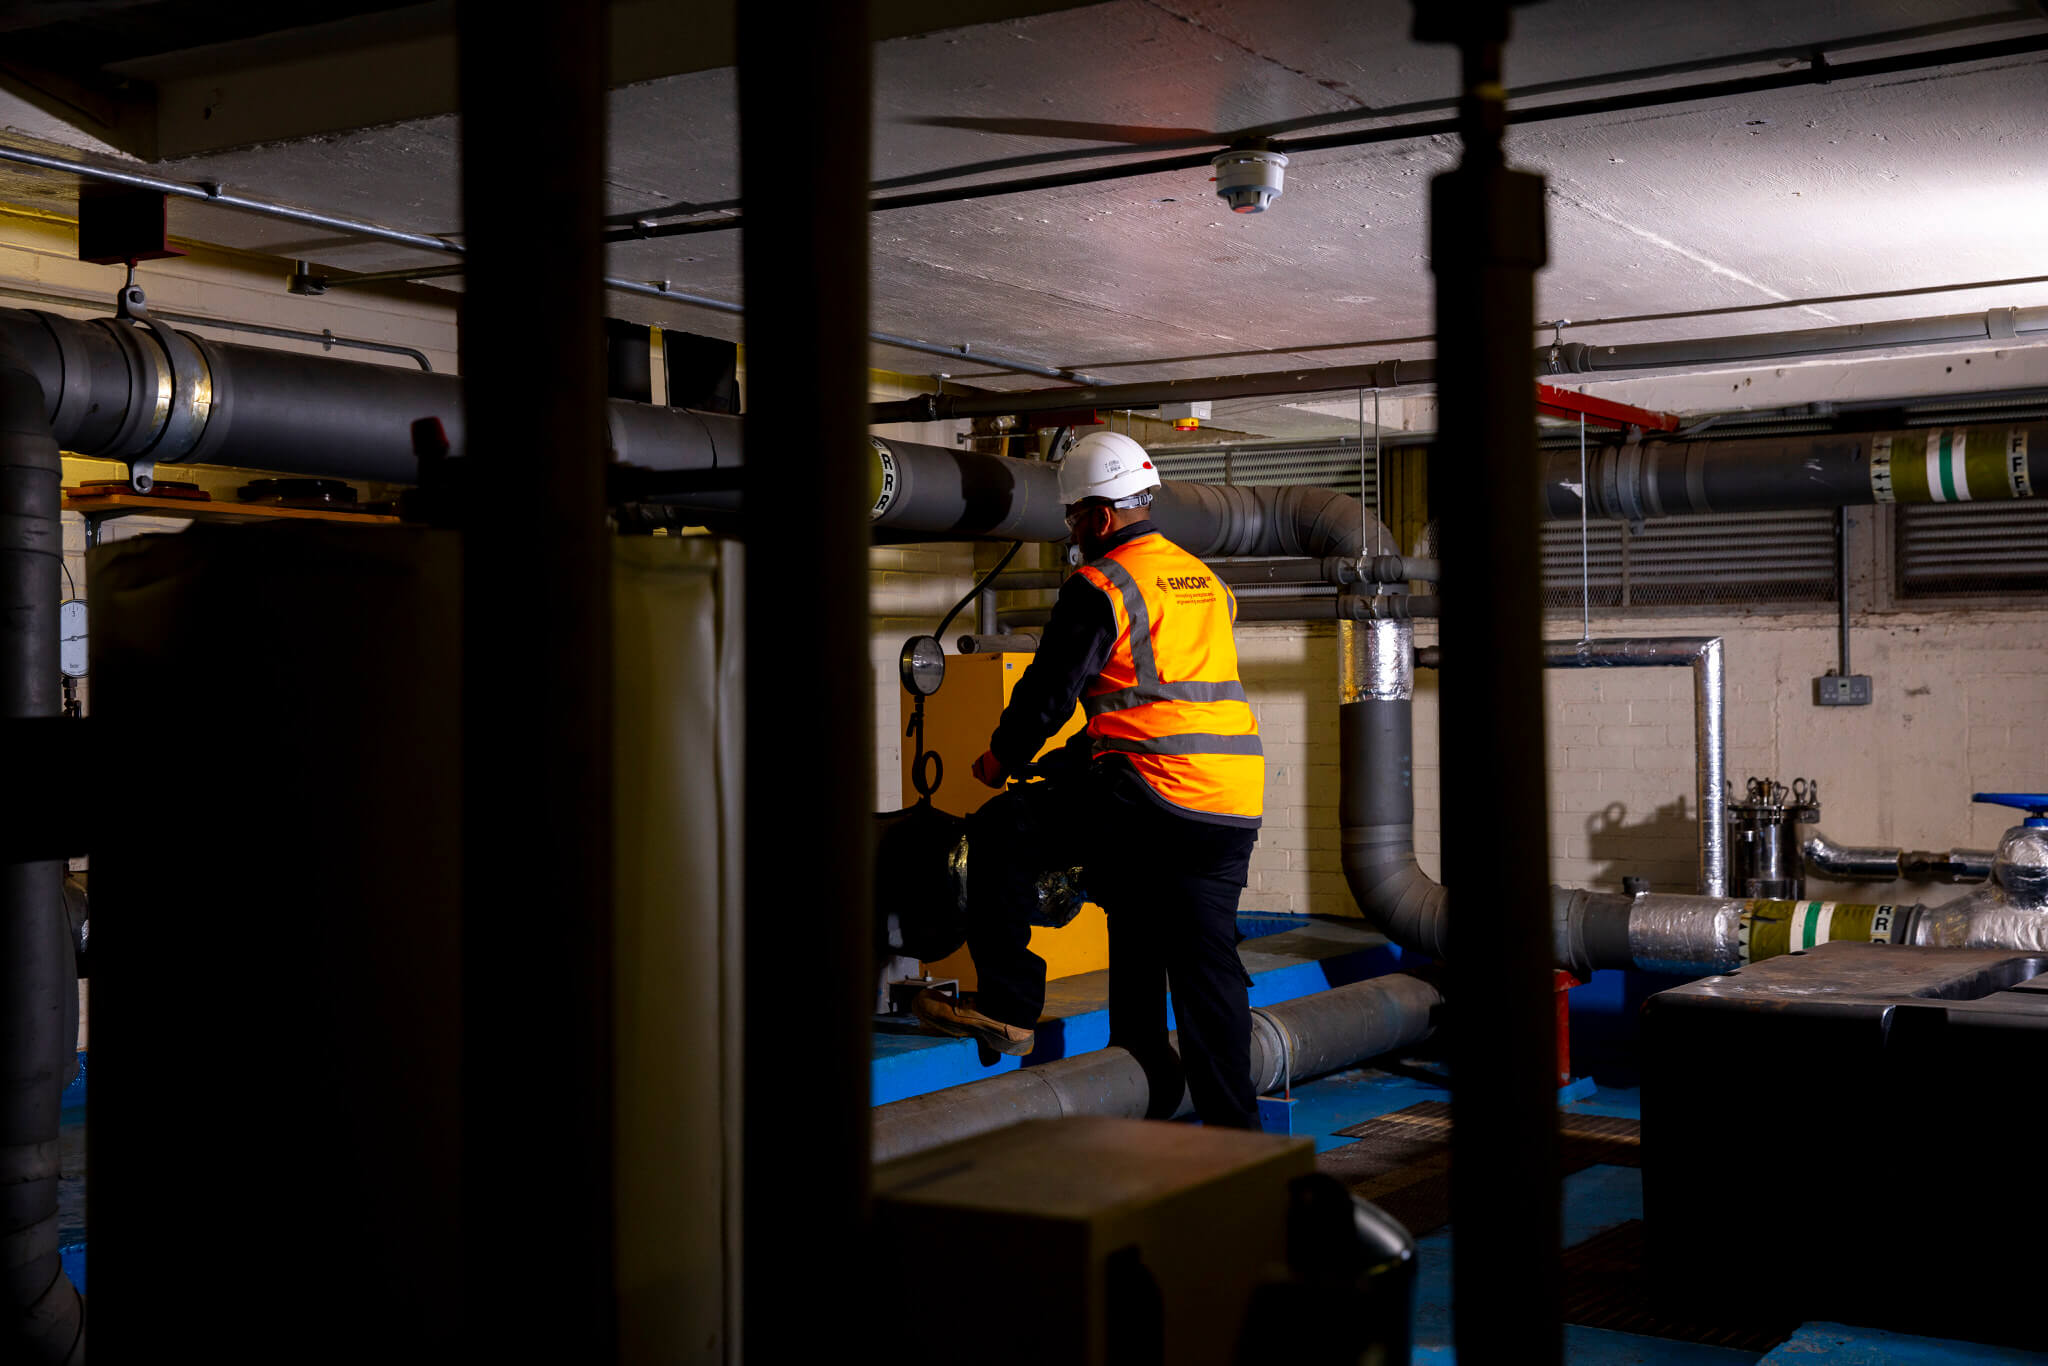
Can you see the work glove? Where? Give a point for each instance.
(988, 770)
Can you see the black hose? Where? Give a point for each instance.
(976, 591)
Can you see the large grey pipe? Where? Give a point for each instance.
(1636, 480)
(44, 1316)
(124, 392)
(1295, 1040)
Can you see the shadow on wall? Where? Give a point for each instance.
(1664, 848)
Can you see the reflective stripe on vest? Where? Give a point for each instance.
(1182, 744)
(1193, 740)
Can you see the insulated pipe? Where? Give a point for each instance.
(45, 1318)
(1376, 799)
(110, 390)
(1878, 863)
(968, 494)
(1848, 862)
(1636, 480)
(1311, 1035)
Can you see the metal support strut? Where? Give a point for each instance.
(1487, 242)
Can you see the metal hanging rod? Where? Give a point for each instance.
(209, 193)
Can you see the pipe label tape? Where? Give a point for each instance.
(1770, 929)
(885, 479)
(1954, 465)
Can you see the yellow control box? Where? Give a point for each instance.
(958, 720)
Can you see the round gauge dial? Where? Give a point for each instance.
(923, 665)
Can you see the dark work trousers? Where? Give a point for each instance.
(1170, 886)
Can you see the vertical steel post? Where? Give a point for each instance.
(536, 684)
(1487, 242)
(804, 90)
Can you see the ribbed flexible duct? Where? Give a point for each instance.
(1311, 1035)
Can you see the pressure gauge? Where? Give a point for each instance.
(71, 633)
(923, 665)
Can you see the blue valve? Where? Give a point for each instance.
(2035, 804)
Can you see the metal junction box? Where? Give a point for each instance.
(1851, 1133)
(1089, 1240)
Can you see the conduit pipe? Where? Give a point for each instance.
(44, 1316)
(1311, 1035)
(2021, 326)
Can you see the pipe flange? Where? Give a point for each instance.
(1606, 490)
(1628, 478)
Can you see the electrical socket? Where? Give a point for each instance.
(1841, 690)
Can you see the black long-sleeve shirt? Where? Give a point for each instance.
(1073, 646)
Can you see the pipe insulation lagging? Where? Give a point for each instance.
(1310, 1035)
(1696, 935)
(971, 494)
(1638, 480)
(44, 1318)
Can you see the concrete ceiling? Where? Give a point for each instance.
(1919, 179)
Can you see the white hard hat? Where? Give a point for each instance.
(1105, 465)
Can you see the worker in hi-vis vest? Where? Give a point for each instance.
(1158, 799)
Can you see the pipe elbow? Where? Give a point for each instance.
(1850, 863)
(1394, 895)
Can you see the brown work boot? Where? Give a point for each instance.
(950, 1015)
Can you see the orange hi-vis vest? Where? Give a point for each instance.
(1169, 698)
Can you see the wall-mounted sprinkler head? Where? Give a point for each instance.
(1249, 180)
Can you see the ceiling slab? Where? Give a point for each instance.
(1857, 186)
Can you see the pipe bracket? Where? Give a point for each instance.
(190, 396)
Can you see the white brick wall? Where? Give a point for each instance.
(1957, 702)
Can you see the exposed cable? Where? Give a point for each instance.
(976, 591)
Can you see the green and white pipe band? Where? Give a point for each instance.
(1950, 465)
(1770, 929)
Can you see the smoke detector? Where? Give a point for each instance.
(1249, 180)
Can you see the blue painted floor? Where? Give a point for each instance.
(1834, 1344)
